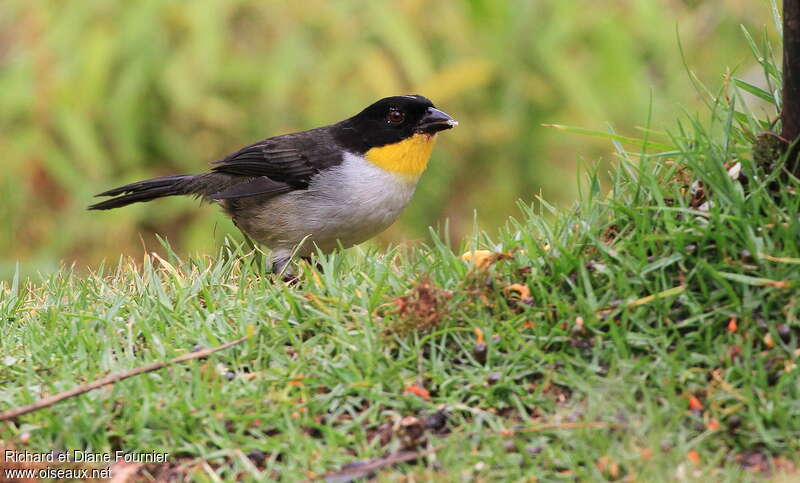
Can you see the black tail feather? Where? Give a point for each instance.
(144, 191)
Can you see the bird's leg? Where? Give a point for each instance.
(316, 265)
(280, 266)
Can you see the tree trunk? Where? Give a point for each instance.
(791, 80)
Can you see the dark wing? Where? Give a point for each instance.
(251, 187)
(278, 164)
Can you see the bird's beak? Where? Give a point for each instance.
(434, 121)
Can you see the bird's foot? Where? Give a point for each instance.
(281, 268)
(287, 273)
(290, 278)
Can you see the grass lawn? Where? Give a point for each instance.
(648, 334)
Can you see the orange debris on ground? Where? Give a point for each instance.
(479, 336)
(418, 391)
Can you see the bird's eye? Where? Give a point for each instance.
(395, 116)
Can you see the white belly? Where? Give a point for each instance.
(347, 204)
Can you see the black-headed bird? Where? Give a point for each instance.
(339, 184)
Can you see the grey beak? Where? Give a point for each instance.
(434, 121)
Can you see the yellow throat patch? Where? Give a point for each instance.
(408, 157)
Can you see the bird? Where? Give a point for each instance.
(336, 185)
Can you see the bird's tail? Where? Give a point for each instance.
(146, 190)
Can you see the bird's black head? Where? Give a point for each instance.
(391, 120)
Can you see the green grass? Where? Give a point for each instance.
(631, 300)
(678, 288)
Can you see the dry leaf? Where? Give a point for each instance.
(483, 258)
(522, 291)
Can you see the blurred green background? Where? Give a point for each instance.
(96, 93)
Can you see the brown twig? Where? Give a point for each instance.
(563, 426)
(791, 72)
(378, 463)
(111, 379)
(403, 456)
(790, 113)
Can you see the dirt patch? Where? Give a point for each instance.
(421, 309)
